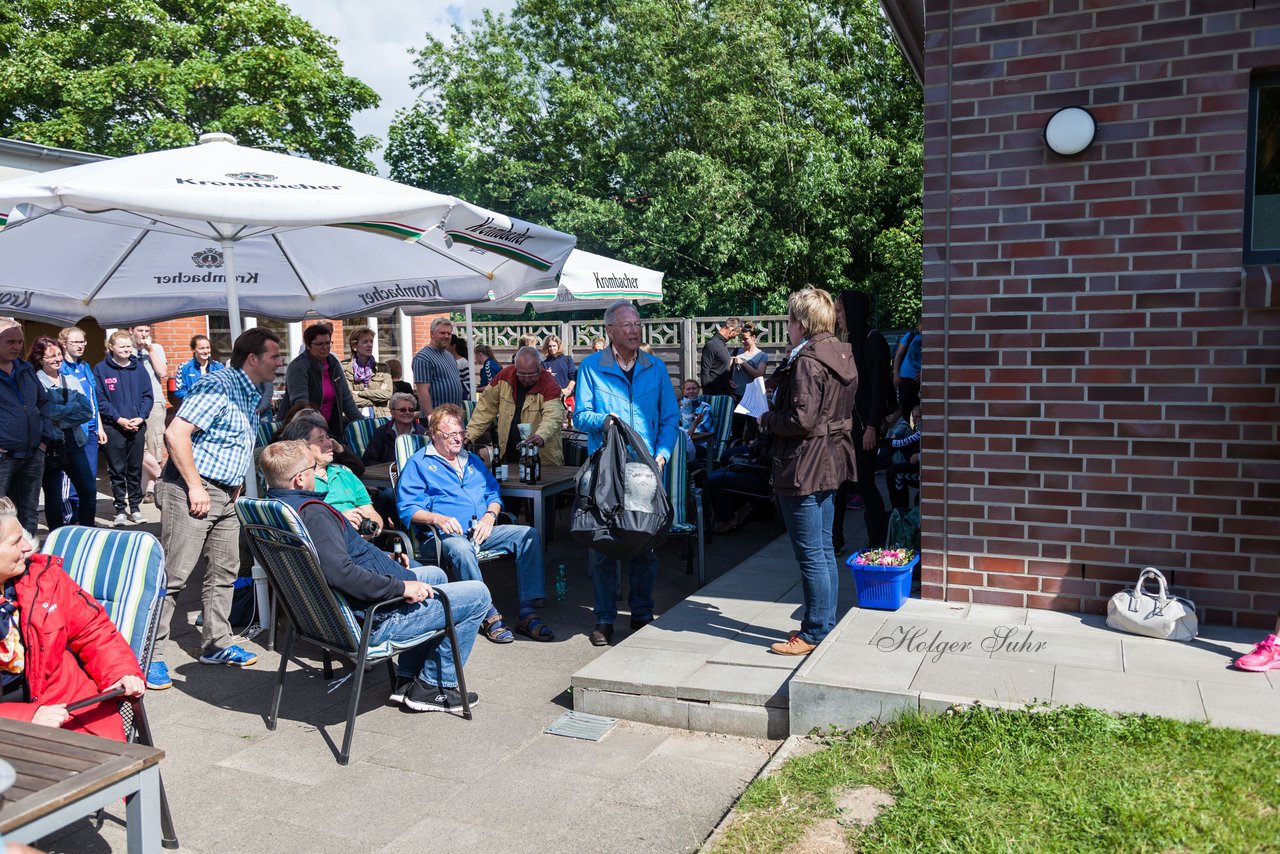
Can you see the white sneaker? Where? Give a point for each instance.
(137, 518)
(121, 520)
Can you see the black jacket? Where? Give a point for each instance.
(350, 564)
(716, 370)
(302, 382)
(875, 396)
(24, 412)
(123, 392)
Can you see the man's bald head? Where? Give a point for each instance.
(528, 366)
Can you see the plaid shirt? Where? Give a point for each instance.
(223, 407)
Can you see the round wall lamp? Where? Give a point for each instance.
(1070, 131)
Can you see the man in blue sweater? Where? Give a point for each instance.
(125, 398)
(25, 428)
(425, 677)
(451, 490)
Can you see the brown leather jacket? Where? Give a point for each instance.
(809, 426)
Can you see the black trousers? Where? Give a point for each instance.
(124, 462)
(873, 511)
(75, 465)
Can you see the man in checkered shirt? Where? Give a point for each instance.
(210, 453)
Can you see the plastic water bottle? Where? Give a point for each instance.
(686, 413)
(562, 584)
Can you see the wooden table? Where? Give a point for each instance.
(377, 476)
(555, 480)
(64, 776)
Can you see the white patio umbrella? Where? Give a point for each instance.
(587, 281)
(217, 227)
(222, 228)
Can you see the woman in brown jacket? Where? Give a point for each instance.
(812, 453)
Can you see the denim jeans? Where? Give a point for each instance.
(809, 519)
(519, 540)
(643, 573)
(20, 481)
(72, 508)
(75, 470)
(432, 662)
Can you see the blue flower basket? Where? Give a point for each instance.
(882, 587)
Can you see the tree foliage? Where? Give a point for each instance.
(745, 147)
(127, 76)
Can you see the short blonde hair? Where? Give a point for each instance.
(280, 461)
(117, 335)
(813, 309)
(440, 412)
(66, 332)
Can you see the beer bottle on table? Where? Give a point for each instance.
(537, 466)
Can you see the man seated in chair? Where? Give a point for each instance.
(522, 393)
(425, 677)
(57, 645)
(452, 491)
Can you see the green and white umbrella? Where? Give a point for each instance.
(588, 281)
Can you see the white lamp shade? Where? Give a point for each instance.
(1070, 131)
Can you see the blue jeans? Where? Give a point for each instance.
(72, 508)
(432, 662)
(809, 519)
(20, 481)
(643, 573)
(519, 540)
(75, 471)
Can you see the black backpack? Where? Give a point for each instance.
(602, 519)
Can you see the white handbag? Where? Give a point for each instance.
(1160, 616)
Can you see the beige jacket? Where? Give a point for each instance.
(378, 393)
(542, 409)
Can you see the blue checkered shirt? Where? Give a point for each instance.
(223, 407)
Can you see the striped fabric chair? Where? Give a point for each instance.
(124, 572)
(686, 506)
(360, 434)
(321, 615)
(722, 406)
(267, 431)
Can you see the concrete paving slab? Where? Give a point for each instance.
(749, 754)
(615, 756)
(930, 609)
(751, 649)
(998, 615)
(659, 711)
(818, 706)
(635, 669)
(852, 665)
(300, 754)
(1128, 692)
(759, 722)
(734, 683)
(937, 639)
(1246, 706)
(1199, 659)
(1065, 620)
(983, 679)
(268, 833)
(492, 736)
(1043, 646)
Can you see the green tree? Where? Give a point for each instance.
(745, 147)
(127, 76)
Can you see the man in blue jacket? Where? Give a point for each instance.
(25, 428)
(623, 381)
(425, 677)
(451, 490)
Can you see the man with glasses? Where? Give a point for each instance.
(74, 364)
(452, 491)
(621, 381)
(435, 370)
(404, 420)
(210, 453)
(318, 377)
(522, 393)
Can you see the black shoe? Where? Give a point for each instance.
(602, 634)
(640, 624)
(421, 697)
(398, 690)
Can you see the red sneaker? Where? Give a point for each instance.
(1265, 656)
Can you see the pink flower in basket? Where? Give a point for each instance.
(885, 557)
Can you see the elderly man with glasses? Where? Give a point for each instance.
(452, 491)
(623, 382)
(522, 393)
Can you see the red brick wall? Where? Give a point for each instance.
(1102, 370)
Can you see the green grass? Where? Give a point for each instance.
(1067, 779)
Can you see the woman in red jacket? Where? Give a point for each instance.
(57, 645)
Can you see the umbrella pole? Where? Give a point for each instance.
(471, 350)
(260, 589)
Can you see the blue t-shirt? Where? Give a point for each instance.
(911, 359)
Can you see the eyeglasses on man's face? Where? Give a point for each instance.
(403, 409)
(629, 326)
(451, 437)
(311, 467)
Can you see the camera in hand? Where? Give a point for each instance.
(367, 528)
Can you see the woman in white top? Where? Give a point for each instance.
(68, 409)
(750, 362)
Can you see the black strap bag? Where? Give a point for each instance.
(620, 507)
